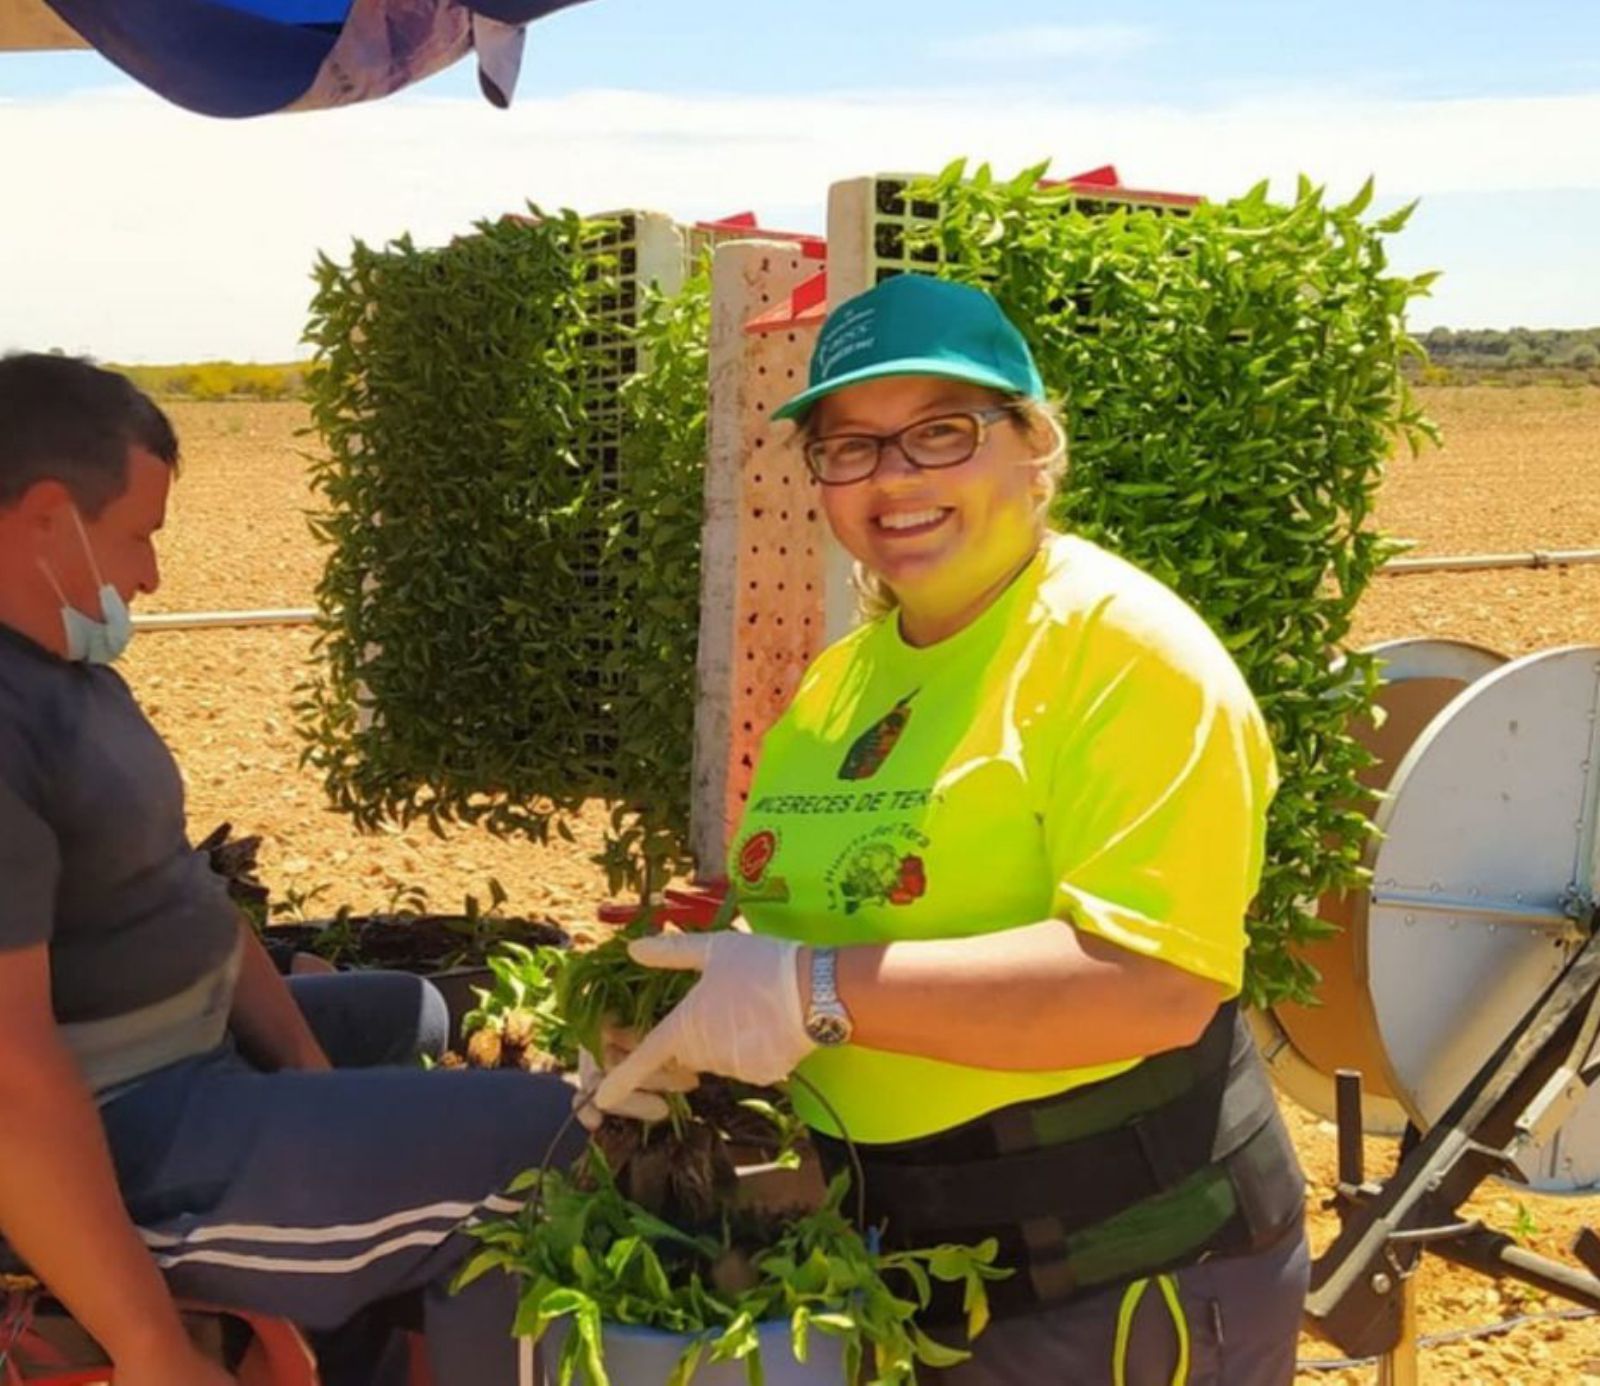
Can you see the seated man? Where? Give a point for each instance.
(171, 1116)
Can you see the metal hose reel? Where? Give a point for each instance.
(1478, 952)
(1305, 1046)
(1483, 887)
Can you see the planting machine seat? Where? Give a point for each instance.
(1478, 1007)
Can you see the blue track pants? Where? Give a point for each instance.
(312, 1196)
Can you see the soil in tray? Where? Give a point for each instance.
(424, 943)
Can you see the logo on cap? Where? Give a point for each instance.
(852, 331)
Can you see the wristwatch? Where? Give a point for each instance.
(827, 1022)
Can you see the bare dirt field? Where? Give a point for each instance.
(1520, 471)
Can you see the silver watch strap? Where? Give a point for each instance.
(824, 977)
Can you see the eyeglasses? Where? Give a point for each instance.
(948, 440)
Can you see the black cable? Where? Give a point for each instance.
(1455, 1335)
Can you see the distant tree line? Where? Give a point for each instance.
(220, 380)
(1521, 348)
(1456, 355)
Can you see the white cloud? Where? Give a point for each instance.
(137, 231)
(1031, 43)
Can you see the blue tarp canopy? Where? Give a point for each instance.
(251, 57)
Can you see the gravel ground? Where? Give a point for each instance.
(1520, 470)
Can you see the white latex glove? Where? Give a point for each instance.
(742, 1019)
(646, 1103)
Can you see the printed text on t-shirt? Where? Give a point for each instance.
(872, 801)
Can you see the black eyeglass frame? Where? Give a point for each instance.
(983, 418)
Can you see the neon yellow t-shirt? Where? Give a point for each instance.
(1085, 750)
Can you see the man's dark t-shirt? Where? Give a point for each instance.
(94, 858)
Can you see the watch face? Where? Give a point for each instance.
(828, 1029)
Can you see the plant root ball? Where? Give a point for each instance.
(518, 1027)
(484, 1048)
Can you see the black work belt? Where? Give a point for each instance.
(1181, 1158)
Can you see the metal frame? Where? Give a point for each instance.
(1359, 1287)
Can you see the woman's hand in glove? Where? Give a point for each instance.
(647, 1103)
(743, 1019)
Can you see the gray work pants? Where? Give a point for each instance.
(1242, 1316)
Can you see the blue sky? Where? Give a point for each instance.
(140, 232)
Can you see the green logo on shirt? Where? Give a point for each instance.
(869, 750)
(879, 873)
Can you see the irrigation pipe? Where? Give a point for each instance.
(1398, 567)
(1474, 562)
(218, 620)
(1455, 1335)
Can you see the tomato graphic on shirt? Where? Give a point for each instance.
(869, 750)
(912, 883)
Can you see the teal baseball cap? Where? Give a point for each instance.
(915, 325)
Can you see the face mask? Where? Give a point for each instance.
(88, 640)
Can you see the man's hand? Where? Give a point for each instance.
(269, 1025)
(743, 1019)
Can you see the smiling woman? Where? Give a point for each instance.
(953, 503)
(994, 869)
(942, 511)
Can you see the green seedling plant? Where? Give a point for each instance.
(1524, 1226)
(518, 1010)
(649, 1228)
(602, 987)
(585, 1252)
(406, 900)
(480, 930)
(577, 995)
(297, 901)
(339, 940)
(789, 1130)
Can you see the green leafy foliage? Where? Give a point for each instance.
(572, 996)
(585, 1252)
(512, 512)
(649, 1228)
(602, 986)
(1233, 389)
(524, 986)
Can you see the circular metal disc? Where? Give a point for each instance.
(1489, 835)
(1306, 1045)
